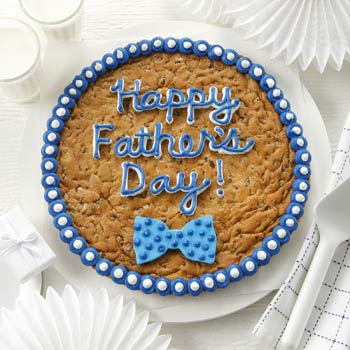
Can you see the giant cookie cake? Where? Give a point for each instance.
(174, 166)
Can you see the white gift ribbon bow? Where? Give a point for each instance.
(25, 245)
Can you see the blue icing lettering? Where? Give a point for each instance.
(161, 183)
(196, 98)
(230, 145)
(188, 203)
(125, 191)
(97, 140)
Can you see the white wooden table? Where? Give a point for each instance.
(331, 92)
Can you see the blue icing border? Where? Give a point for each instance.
(271, 245)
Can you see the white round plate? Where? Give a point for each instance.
(71, 57)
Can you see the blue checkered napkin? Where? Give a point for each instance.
(329, 324)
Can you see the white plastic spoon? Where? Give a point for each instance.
(332, 215)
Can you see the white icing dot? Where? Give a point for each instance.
(62, 221)
(270, 83)
(179, 287)
(289, 116)
(290, 222)
(202, 47)
(157, 43)
(272, 244)
(296, 130)
(303, 186)
(217, 50)
(299, 198)
(118, 273)
(234, 272)
(171, 43)
(162, 286)
(245, 63)
(52, 137)
(187, 44)
(103, 266)
(50, 180)
(221, 277)
(48, 165)
(77, 244)
(147, 283)
(55, 124)
(120, 54)
(257, 71)
(58, 207)
(281, 233)
(109, 60)
(69, 234)
(209, 282)
(144, 47)
(300, 142)
(261, 255)
(249, 265)
(72, 91)
(132, 279)
(230, 56)
(295, 210)
(78, 83)
(52, 194)
(283, 104)
(304, 170)
(64, 100)
(49, 150)
(89, 74)
(305, 157)
(98, 66)
(194, 286)
(276, 92)
(132, 49)
(89, 256)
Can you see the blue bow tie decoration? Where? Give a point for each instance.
(196, 240)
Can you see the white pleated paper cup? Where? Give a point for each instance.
(59, 19)
(19, 60)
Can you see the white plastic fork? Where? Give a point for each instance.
(332, 215)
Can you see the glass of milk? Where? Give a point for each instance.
(60, 19)
(19, 60)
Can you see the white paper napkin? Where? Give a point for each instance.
(22, 248)
(329, 324)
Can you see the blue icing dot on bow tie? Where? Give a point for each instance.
(161, 227)
(190, 252)
(146, 233)
(179, 234)
(208, 224)
(161, 249)
(149, 246)
(148, 221)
